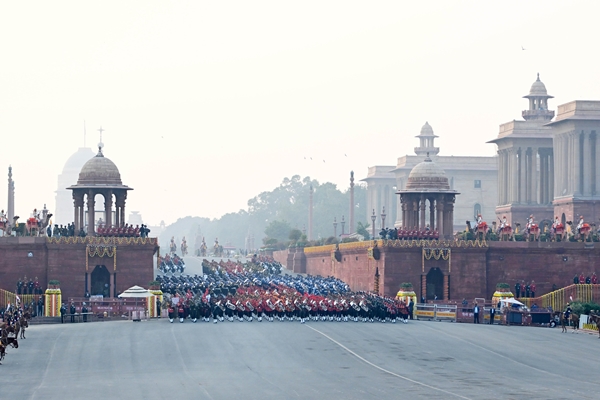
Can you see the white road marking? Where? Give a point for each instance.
(385, 370)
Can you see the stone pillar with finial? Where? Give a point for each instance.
(10, 211)
(376, 282)
(334, 228)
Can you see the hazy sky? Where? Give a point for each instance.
(206, 104)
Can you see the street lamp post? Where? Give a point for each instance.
(383, 218)
(373, 218)
(343, 223)
(334, 228)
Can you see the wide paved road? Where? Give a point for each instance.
(287, 360)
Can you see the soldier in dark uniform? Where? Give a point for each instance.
(63, 311)
(19, 286)
(517, 290)
(84, 311)
(527, 290)
(492, 315)
(40, 306)
(72, 310)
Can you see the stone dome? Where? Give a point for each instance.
(99, 171)
(426, 130)
(538, 89)
(427, 176)
(77, 160)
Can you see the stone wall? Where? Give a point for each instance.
(472, 271)
(66, 262)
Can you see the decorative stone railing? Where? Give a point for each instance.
(103, 241)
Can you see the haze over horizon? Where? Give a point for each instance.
(205, 105)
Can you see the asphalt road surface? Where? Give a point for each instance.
(286, 360)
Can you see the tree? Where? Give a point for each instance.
(279, 230)
(363, 229)
(295, 235)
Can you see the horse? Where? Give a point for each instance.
(12, 341)
(2, 352)
(184, 249)
(565, 322)
(24, 324)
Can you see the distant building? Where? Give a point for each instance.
(63, 211)
(475, 178)
(550, 168)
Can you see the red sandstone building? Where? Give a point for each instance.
(445, 269)
(97, 265)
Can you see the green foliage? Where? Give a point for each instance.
(502, 286)
(519, 238)
(279, 230)
(295, 235)
(54, 282)
(349, 240)
(406, 285)
(363, 229)
(288, 202)
(154, 283)
(584, 308)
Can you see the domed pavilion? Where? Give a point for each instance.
(99, 176)
(427, 188)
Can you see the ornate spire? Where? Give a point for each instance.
(100, 144)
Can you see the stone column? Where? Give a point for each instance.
(522, 175)
(534, 176)
(449, 217)
(432, 214)
(528, 163)
(501, 177)
(414, 223)
(577, 167)
(543, 176)
(422, 220)
(570, 164)
(91, 211)
(557, 144)
(76, 211)
(587, 164)
(446, 288)
(550, 190)
(439, 205)
(514, 189)
(108, 201)
(403, 208)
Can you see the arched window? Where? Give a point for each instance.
(476, 210)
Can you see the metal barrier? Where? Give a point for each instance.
(7, 297)
(558, 299)
(436, 312)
